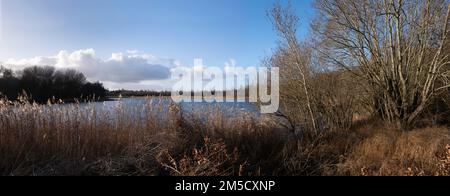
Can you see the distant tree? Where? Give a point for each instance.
(140, 93)
(68, 84)
(94, 90)
(38, 82)
(44, 83)
(9, 84)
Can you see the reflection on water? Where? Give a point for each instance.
(138, 114)
(140, 108)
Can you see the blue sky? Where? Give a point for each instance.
(215, 30)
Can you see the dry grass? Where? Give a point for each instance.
(387, 152)
(86, 140)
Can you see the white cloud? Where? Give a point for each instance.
(121, 69)
(131, 70)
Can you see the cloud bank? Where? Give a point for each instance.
(120, 70)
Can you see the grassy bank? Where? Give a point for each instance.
(43, 140)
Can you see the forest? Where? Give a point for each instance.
(42, 84)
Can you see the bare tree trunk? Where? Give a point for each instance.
(285, 23)
(394, 44)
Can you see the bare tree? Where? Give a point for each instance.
(397, 46)
(293, 60)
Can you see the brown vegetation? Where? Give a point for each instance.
(368, 96)
(396, 46)
(71, 140)
(387, 152)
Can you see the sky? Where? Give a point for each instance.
(133, 44)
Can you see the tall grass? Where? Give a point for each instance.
(160, 138)
(386, 152)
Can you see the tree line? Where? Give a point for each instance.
(138, 93)
(45, 83)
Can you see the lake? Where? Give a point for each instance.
(140, 111)
(140, 107)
